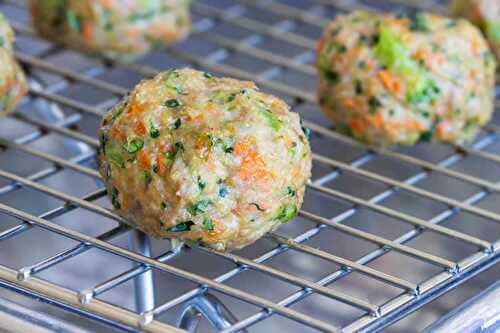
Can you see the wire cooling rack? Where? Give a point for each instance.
(381, 233)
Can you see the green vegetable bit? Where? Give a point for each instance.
(358, 87)
(153, 131)
(393, 54)
(115, 201)
(182, 227)
(134, 145)
(291, 192)
(113, 152)
(208, 224)
(177, 123)
(208, 75)
(287, 213)
(173, 103)
(272, 120)
(223, 191)
(201, 184)
(74, 21)
(199, 207)
(419, 23)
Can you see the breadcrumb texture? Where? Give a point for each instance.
(388, 80)
(483, 13)
(122, 29)
(12, 79)
(203, 159)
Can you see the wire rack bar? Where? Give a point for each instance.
(55, 294)
(108, 247)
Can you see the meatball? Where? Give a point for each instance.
(401, 80)
(122, 29)
(203, 159)
(12, 79)
(483, 13)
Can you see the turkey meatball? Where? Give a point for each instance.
(122, 29)
(203, 159)
(401, 80)
(12, 79)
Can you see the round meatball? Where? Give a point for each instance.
(12, 79)
(211, 160)
(401, 80)
(483, 13)
(122, 29)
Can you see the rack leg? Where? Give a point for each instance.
(143, 284)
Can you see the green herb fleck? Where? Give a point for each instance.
(74, 21)
(419, 23)
(134, 145)
(147, 177)
(182, 227)
(208, 75)
(287, 213)
(201, 184)
(272, 120)
(358, 87)
(173, 103)
(113, 152)
(199, 207)
(223, 191)
(208, 224)
(374, 103)
(177, 123)
(115, 201)
(163, 205)
(291, 192)
(153, 131)
(117, 112)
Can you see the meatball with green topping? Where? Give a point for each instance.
(12, 79)
(401, 80)
(483, 13)
(204, 159)
(122, 29)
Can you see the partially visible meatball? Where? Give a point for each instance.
(211, 160)
(401, 80)
(12, 79)
(483, 13)
(122, 29)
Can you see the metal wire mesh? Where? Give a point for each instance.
(442, 192)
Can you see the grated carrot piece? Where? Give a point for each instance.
(117, 134)
(140, 128)
(357, 125)
(143, 160)
(390, 81)
(87, 31)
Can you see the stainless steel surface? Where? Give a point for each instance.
(381, 234)
(480, 314)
